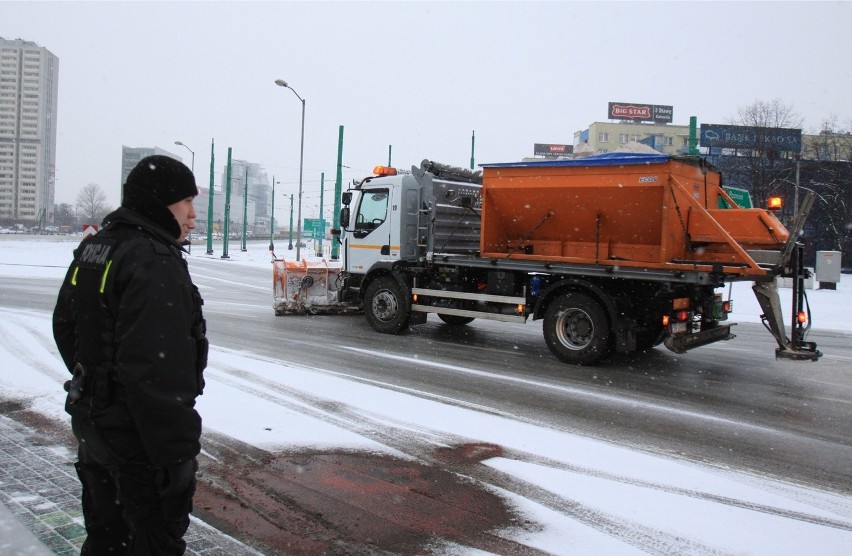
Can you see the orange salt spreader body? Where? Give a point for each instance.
(659, 212)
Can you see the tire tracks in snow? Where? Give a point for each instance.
(420, 445)
(18, 348)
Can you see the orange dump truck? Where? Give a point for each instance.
(616, 253)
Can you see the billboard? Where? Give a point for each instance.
(552, 150)
(748, 137)
(657, 113)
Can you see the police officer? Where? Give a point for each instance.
(129, 327)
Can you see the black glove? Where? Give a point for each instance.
(177, 478)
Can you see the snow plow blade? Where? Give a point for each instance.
(306, 287)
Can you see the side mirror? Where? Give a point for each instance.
(346, 197)
(344, 215)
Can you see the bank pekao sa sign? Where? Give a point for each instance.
(640, 112)
(748, 137)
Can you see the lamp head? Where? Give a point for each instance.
(281, 83)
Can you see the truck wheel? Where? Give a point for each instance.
(387, 305)
(576, 329)
(455, 320)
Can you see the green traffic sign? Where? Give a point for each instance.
(740, 196)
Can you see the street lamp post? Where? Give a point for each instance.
(282, 83)
(193, 155)
(272, 219)
(290, 229)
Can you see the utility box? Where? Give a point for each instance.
(828, 269)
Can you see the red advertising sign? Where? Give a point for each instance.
(552, 150)
(640, 112)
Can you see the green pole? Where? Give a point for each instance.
(321, 219)
(290, 247)
(272, 218)
(338, 190)
(227, 229)
(210, 203)
(245, 210)
(472, 144)
(693, 136)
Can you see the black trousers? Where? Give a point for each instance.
(122, 508)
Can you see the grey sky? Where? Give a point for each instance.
(418, 76)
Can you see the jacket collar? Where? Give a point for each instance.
(133, 218)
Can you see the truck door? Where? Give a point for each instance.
(369, 241)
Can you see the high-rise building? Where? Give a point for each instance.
(29, 81)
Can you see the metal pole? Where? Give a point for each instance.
(390, 149)
(210, 204)
(338, 189)
(272, 218)
(290, 247)
(282, 83)
(693, 136)
(245, 210)
(796, 190)
(191, 151)
(227, 226)
(472, 145)
(321, 220)
(301, 167)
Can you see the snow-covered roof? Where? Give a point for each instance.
(605, 159)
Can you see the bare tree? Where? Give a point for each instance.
(91, 202)
(763, 167)
(768, 115)
(829, 226)
(64, 215)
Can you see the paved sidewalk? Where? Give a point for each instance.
(39, 487)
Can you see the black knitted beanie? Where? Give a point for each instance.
(155, 183)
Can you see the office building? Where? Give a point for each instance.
(130, 156)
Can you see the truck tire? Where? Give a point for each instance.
(576, 329)
(387, 305)
(455, 320)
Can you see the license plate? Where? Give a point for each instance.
(678, 327)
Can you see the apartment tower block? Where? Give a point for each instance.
(29, 80)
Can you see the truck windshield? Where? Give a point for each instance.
(373, 210)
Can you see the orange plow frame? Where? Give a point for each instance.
(301, 287)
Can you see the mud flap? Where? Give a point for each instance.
(305, 287)
(686, 342)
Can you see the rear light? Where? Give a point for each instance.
(682, 315)
(520, 308)
(802, 317)
(665, 320)
(414, 297)
(728, 306)
(680, 303)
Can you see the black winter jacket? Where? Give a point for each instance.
(151, 311)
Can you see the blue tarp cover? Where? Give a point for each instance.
(605, 159)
